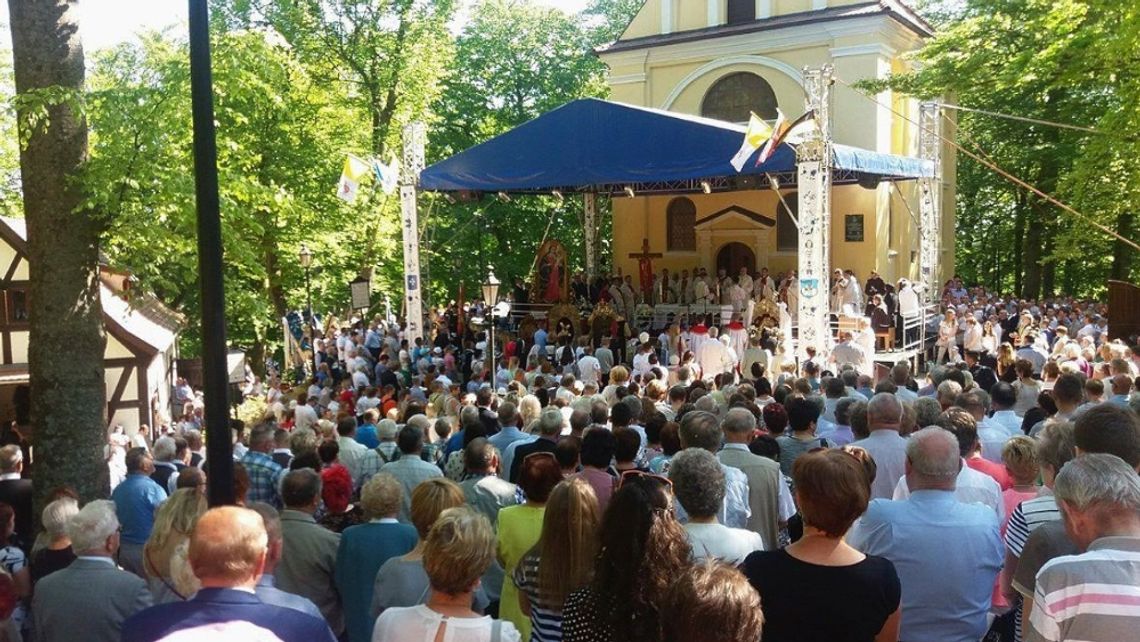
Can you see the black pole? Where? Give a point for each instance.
(215, 378)
(312, 321)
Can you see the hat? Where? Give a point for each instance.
(643, 337)
(386, 429)
(437, 350)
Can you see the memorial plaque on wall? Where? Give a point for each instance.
(853, 228)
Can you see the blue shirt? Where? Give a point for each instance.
(136, 499)
(363, 550)
(367, 436)
(540, 341)
(506, 437)
(268, 593)
(947, 555)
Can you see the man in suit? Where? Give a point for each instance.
(91, 595)
(765, 483)
(227, 553)
(17, 492)
(308, 557)
(549, 428)
(267, 590)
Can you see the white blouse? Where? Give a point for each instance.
(421, 624)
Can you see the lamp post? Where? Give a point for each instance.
(490, 297)
(306, 258)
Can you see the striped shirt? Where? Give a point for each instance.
(1094, 596)
(545, 624)
(1025, 519)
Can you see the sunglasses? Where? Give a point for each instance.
(630, 475)
(539, 455)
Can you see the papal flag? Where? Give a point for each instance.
(355, 170)
(388, 176)
(758, 132)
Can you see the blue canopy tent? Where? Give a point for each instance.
(598, 146)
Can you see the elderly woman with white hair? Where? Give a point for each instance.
(699, 485)
(56, 553)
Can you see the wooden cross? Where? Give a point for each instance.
(645, 266)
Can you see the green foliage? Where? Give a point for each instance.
(280, 141)
(514, 61)
(1068, 61)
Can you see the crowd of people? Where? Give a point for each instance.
(624, 491)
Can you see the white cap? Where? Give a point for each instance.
(643, 337)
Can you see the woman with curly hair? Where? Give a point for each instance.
(643, 549)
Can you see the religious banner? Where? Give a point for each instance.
(552, 284)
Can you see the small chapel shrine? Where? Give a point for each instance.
(722, 59)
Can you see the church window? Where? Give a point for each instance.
(741, 11)
(732, 98)
(787, 234)
(681, 221)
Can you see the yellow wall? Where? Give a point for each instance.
(677, 77)
(644, 217)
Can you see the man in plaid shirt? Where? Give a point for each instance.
(264, 473)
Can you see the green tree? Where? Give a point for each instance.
(65, 357)
(1068, 61)
(514, 61)
(281, 136)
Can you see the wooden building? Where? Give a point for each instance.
(142, 340)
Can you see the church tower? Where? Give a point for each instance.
(722, 59)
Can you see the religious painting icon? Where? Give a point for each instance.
(552, 283)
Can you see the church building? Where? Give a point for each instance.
(722, 59)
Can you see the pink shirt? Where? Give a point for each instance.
(602, 483)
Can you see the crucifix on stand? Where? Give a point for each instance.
(645, 268)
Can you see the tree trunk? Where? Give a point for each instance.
(1031, 286)
(1019, 240)
(1049, 269)
(1121, 251)
(65, 356)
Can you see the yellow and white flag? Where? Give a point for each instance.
(355, 170)
(758, 132)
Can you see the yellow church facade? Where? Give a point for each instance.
(724, 58)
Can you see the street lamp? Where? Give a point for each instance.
(490, 297)
(306, 257)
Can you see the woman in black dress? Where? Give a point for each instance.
(832, 491)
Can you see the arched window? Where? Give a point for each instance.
(741, 11)
(731, 98)
(681, 219)
(787, 234)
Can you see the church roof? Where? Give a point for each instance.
(894, 9)
(593, 145)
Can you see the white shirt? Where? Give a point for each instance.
(992, 436)
(305, 418)
(730, 545)
(713, 358)
(589, 370)
(971, 487)
(419, 623)
(1008, 420)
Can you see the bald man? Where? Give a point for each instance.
(227, 554)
